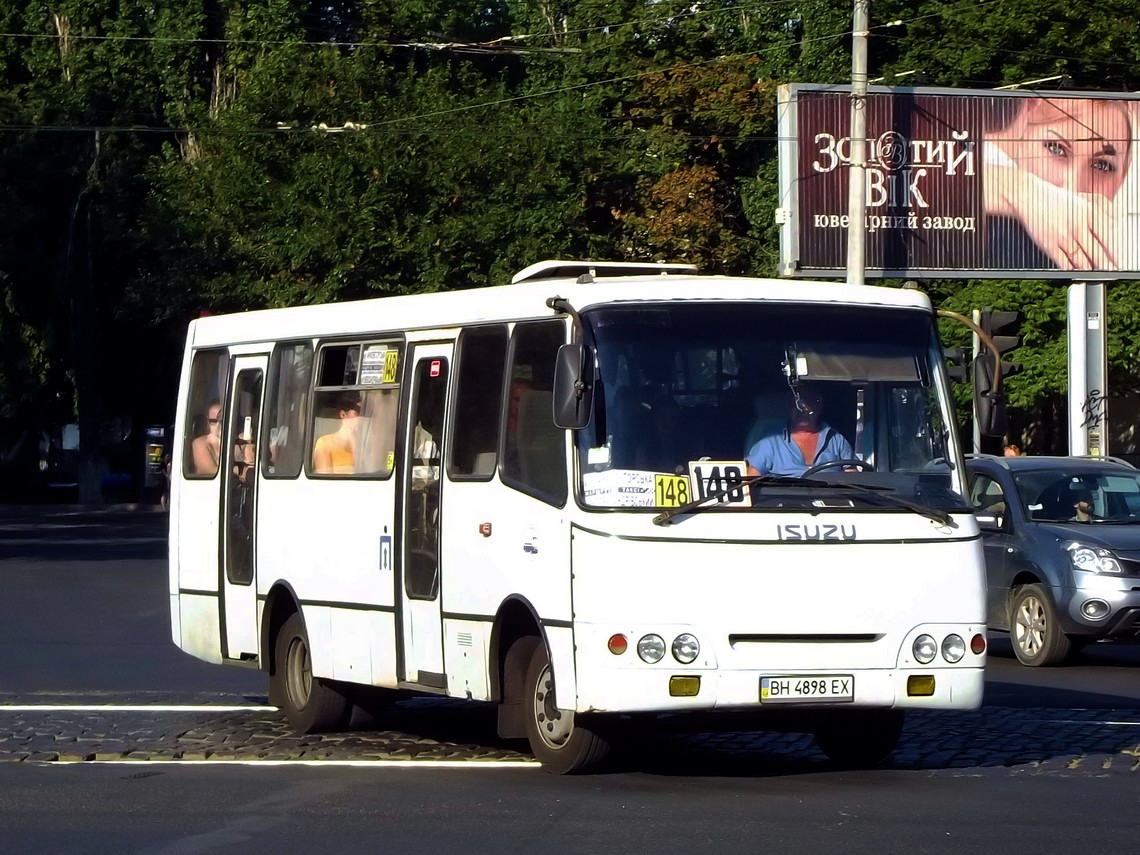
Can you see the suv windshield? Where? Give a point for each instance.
(687, 393)
(1084, 494)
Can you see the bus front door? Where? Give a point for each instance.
(239, 451)
(420, 614)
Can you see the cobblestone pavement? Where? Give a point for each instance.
(993, 740)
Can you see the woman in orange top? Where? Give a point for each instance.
(335, 453)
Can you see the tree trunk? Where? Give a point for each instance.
(79, 293)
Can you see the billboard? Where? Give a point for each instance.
(963, 183)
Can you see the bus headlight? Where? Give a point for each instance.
(651, 648)
(953, 648)
(686, 648)
(924, 649)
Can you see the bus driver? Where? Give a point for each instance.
(804, 442)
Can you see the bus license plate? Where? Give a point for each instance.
(798, 688)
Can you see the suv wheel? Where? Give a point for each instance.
(1033, 627)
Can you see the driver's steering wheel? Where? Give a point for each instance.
(862, 465)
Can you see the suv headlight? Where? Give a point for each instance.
(1093, 559)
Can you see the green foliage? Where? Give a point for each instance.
(534, 128)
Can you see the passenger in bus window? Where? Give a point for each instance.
(207, 448)
(278, 439)
(244, 458)
(426, 448)
(335, 453)
(806, 440)
(519, 388)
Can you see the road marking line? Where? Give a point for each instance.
(393, 764)
(100, 708)
(83, 541)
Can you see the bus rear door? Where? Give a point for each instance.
(239, 451)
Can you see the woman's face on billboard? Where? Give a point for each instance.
(1081, 145)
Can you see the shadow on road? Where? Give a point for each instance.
(1121, 652)
(1039, 739)
(1010, 694)
(101, 535)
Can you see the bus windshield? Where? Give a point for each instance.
(690, 397)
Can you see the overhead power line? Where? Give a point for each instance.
(390, 123)
(500, 44)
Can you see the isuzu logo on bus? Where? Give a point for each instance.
(815, 532)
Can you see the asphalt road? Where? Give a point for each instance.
(85, 609)
(1050, 764)
(195, 809)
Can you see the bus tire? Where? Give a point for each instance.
(563, 741)
(312, 704)
(860, 739)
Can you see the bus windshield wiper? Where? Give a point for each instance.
(883, 493)
(666, 517)
(938, 516)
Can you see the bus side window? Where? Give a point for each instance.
(286, 410)
(356, 399)
(481, 357)
(534, 457)
(204, 412)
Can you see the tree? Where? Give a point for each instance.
(167, 160)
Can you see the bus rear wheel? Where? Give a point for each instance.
(563, 741)
(312, 704)
(861, 738)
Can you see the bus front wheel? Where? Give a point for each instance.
(563, 741)
(860, 739)
(312, 704)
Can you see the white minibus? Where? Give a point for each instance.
(600, 492)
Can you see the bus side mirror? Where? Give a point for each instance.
(992, 420)
(573, 387)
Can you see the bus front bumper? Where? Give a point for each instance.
(657, 689)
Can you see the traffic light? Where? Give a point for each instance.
(989, 407)
(1004, 329)
(957, 361)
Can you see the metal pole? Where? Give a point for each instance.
(976, 314)
(1088, 374)
(1096, 367)
(1078, 440)
(857, 188)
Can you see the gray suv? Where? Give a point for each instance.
(1062, 543)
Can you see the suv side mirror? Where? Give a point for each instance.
(988, 520)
